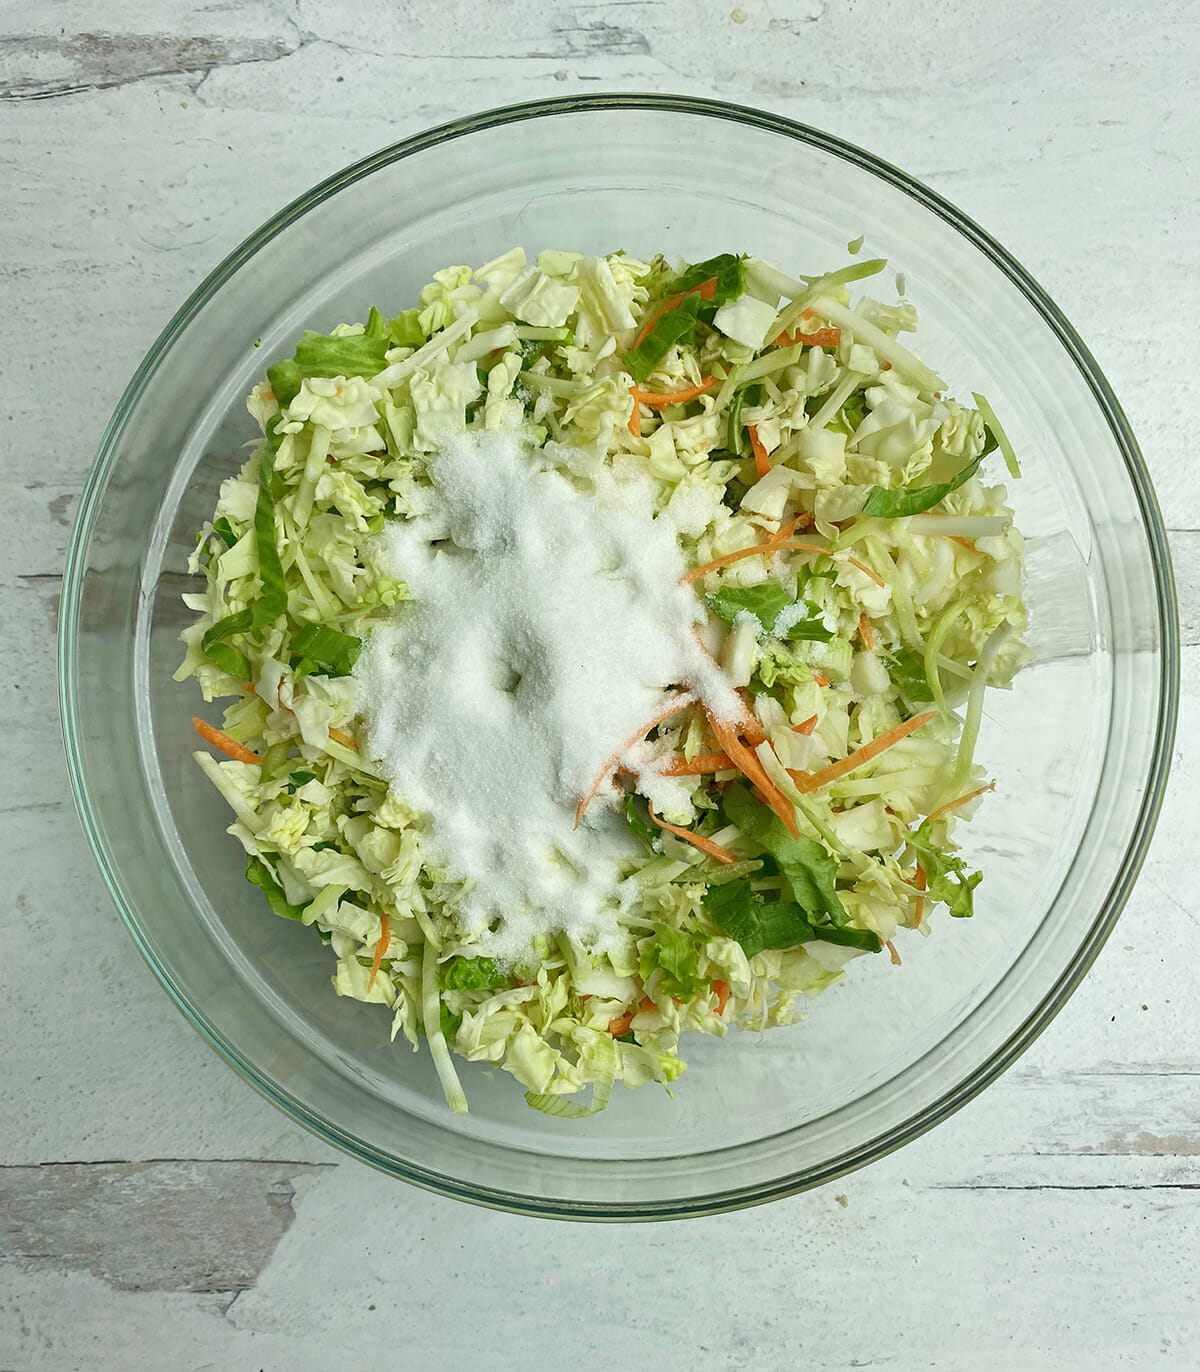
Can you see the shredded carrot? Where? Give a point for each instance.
(659, 400)
(720, 989)
(706, 291)
(891, 947)
(813, 781)
(752, 769)
(762, 460)
(807, 727)
(706, 845)
(865, 632)
(808, 313)
(962, 800)
(772, 545)
(646, 1004)
(920, 883)
(867, 571)
(964, 543)
(635, 419)
(820, 678)
(619, 1027)
(381, 947)
(822, 338)
(699, 766)
(672, 706)
(231, 747)
(752, 731)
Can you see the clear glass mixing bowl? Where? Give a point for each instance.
(1080, 747)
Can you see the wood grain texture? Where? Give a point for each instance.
(149, 1226)
(1054, 1222)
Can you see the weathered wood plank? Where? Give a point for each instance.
(877, 1271)
(1053, 1223)
(149, 1226)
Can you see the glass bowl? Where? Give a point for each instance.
(1080, 747)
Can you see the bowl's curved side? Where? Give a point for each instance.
(103, 692)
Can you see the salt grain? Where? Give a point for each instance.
(546, 629)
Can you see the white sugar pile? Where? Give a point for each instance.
(547, 629)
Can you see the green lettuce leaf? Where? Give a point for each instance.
(764, 600)
(749, 395)
(757, 924)
(259, 874)
(637, 819)
(319, 649)
(677, 325)
(808, 868)
(224, 531)
(222, 654)
(472, 974)
(811, 629)
(907, 670)
(729, 270)
(678, 955)
(911, 500)
(405, 330)
(272, 601)
(946, 875)
(320, 354)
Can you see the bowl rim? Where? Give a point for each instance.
(954, 1097)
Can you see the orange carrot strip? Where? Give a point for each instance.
(962, 800)
(699, 766)
(865, 632)
(891, 947)
(867, 571)
(964, 543)
(706, 845)
(381, 947)
(920, 883)
(619, 1027)
(706, 291)
(772, 545)
(720, 989)
(752, 731)
(813, 781)
(221, 740)
(635, 419)
(750, 767)
(646, 1005)
(820, 678)
(822, 338)
(659, 400)
(762, 459)
(807, 727)
(672, 706)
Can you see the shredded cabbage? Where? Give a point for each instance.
(885, 595)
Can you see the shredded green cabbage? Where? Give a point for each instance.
(897, 583)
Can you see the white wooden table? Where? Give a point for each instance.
(1054, 1223)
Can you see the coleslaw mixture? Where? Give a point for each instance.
(844, 587)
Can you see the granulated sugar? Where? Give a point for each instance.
(548, 627)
